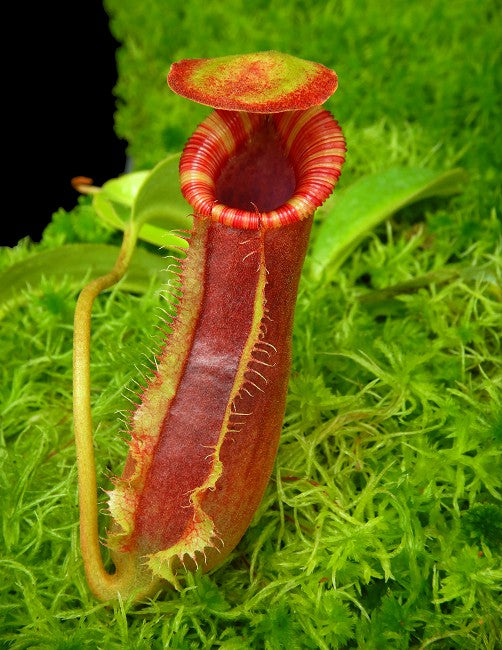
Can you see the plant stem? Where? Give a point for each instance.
(102, 583)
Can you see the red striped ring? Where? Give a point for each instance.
(312, 140)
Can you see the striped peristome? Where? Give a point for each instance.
(312, 141)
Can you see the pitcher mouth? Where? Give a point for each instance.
(251, 170)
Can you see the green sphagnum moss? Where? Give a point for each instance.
(381, 526)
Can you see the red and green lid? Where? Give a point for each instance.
(265, 82)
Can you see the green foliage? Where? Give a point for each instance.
(153, 199)
(78, 226)
(351, 215)
(483, 523)
(381, 526)
(76, 263)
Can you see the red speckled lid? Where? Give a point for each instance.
(265, 82)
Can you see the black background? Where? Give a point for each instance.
(59, 103)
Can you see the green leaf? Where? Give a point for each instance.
(113, 215)
(78, 263)
(162, 237)
(153, 199)
(107, 211)
(369, 201)
(159, 200)
(125, 188)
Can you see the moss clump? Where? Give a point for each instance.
(483, 524)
